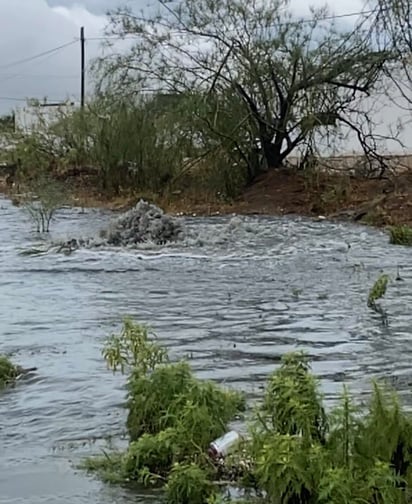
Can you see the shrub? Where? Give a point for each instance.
(365, 457)
(172, 415)
(45, 197)
(292, 402)
(290, 433)
(144, 144)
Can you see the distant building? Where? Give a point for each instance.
(36, 113)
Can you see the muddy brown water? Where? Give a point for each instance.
(236, 295)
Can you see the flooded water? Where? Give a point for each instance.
(234, 297)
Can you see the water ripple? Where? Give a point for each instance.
(233, 298)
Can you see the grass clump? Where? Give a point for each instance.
(107, 466)
(172, 418)
(400, 235)
(8, 372)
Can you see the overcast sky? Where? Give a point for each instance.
(30, 27)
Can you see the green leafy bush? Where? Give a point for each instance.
(144, 144)
(292, 403)
(297, 452)
(188, 484)
(344, 457)
(172, 416)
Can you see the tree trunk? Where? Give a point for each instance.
(272, 154)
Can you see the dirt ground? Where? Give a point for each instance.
(372, 201)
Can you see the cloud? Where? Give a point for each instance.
(32, 27)
(95, 6)
(299, 6)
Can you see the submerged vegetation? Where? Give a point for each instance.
(296, 452)
(400, 235)
(377, 292)
(8, 371)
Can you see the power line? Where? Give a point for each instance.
(332, 17)
(118, 37)
(39, 55)
(288, 23)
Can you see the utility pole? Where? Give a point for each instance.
(82, 63)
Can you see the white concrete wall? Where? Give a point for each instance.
(30, 117)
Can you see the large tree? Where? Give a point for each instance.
(294, 81)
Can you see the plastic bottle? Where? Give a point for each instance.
(221, 447)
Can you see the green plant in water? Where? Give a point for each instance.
(292, 404)
(177, 415)
(8, 371)
(286, 468)
(172, 415)
(45, 197)
(108, 466)
(386, 432)
(289, 433)
(133, 350)
(297, 453)
(344, 426)
(189, 484)
(377, 292)
(400, 235)
(360, 457)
